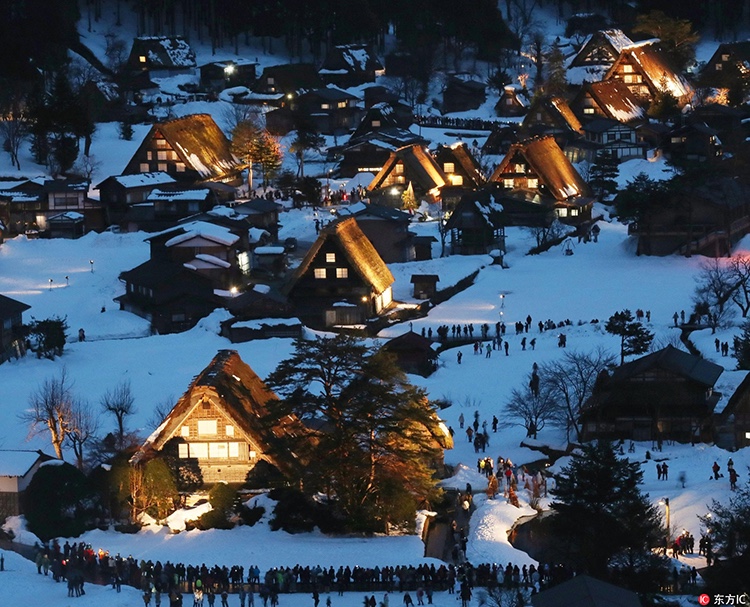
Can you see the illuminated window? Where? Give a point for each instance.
(342, 273)
(629, 79)
(199, 450)
(325, 106)
(532, 183)
(173, 155)
(574, 212)
(161, 143)
(180, 167)
(399, 169)
(162, 166)
(217, 450)
(319, 272)
(143, 167)
(207, 427)
(341, 104)
(400, 179)
(449, 167)
(149, 155)
(457, 180)
(252, 455)
(271, 80)
(719, 66)
(330, 257)
(725, 57)
(588, 110)
(507, 183)
(520, 168)
(185, 431)
(182, 451)
(509, 101)
(627, 69)
(561, 212)
(161, 155)
(375, 123)
(234, 449)
(229, 430)
(142, 58)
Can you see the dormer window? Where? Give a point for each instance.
(319, 273)
(520, 168)
(330, 257)
(342, 273)
(627, 69)
(532, 183)
(449, 167)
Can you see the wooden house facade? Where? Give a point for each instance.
(413, 165)
(512, 102)
(646, 70)
(537, 172)
(11, 327)
(666, 395)
(693, 142)
(192, 149)
(342, 280)
(17, 468)
(604, 135)
(386, 228)
(414, 353)
(61, 196)
(477, 225)
(288, 79)
(463, 94)
(729, 63)
(220, 75)
(551, 115)
(221, 424)
(368, 152)
(601, 48)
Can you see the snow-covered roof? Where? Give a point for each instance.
(269, 250)
(202, 260)
(142, 179)
(67, 216)
(256, 234)
(201, 229)
(192, 194)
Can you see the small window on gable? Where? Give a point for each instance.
(161, 155)
(229, 430)
(330, 257)
(161, 143)
(508, 183)
(207, 427)
(449, 167)
(206, 404)
(588, 110)
(342, 273)
(719, 66)
(375, 123)
(143, 167)
(185, 431)
(319, 272)
(399, 169)
(725, 57)
(532, 183)
(508, 101)
(142, 58)
(162, 166)
(341, 104)
(271, 80)
(627, 69)
(149, 155)
(180, 167)
(520, 168)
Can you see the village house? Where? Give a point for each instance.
(463, 93)
(609, 136)
(288, 79)
(409, 165)
(537, 172)
(120, 194)
(375, 95)
(693, 142)
(342, 280)
(601, 48)
(462, 171)
(386, 228)
(500, 139)
(665, 395)
(645, 70)
(69, 224)
(220, 75)
(424, 285)
(21, 206)
(732, 422)
(61, 196)
(551, 115)
(17, 468)
(611, 99)
(191, 149)
(350, 65)
(11, 328)
(414, 353)
(221, 424)
(512, 102)
(729, 64)
(331, 111)
(477, 224)
(705, 218)
(161, 56)
(368, 152)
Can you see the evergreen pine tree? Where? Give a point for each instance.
(604, 172)
(557, 81)
(634, 337)
(408, 199)
(126, 130)
(601, 517)
(741, 347)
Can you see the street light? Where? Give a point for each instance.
(665, 502)
(50, 284)
(233, 291)
(91, 261)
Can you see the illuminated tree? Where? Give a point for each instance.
(244, 135)
(267, 154)
(51, 408)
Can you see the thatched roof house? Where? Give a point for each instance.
(342, 279)
(192, 148)
(409, 164)
(611, 99)
(222, 421)
(601, 48)
(161, 55)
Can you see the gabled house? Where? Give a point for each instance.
(377, 118)
(69, 224)
(477, 224)
(379, 94)
(69, 195)
(500, 139)
(192, 149)
(260, 213)
(119, 193)
(603, 134)
(161, 56)
(459, 165)
(221, 423)
(601, 48)
(350, 65)
(369, 152)
(411, 164)
(667, 394)
(462, 94)
(170, 205)
(288, 79)
(512, 102)
(732, 423)
(537, 171)
(693, 142)
(611, 99)
(17, 468)
(331, 110)
(11, 328)
(730, 62)
(386, 228)
(170, 296)
(414, 353)
(646, 70)
(551, 115)
(342, 280)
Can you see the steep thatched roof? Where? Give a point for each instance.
(601, 48)
(419, 168)
(199, 142)
(233, 387)
(459, 154)
(552, 167)
(616, 100)
(557, 109)
(357, 249)
(655, 68)
(672, 360)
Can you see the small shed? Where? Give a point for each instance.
(66, 225)
(425, 285)
(17, 468)
(414, 353)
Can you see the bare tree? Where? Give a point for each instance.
(715, 284)
(530, 408)
(571, 381)
(83, 428)
(120, 402)
(50, 407)
(739, 267)
(545, 234)
(13, 125)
